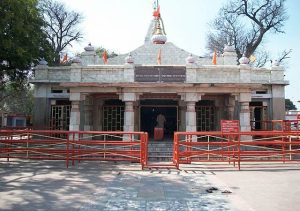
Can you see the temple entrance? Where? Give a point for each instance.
(258, 115)
(60, 115)
(206, 115)
(149, 120)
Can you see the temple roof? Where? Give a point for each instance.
(147, 55)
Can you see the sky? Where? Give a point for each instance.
(121, 26)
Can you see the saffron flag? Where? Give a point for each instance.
(104, 56)
(156, 12)
(214, 58)
(158, 59)
(65, 58)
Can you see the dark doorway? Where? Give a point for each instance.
(148, 121)
(257, 117)
(258, 114)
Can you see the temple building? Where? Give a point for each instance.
(131, 90)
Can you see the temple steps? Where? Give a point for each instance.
(160, 151)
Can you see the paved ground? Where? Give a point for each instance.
(269, 189)
(50, 186)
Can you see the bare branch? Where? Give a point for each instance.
(61, 25)
(284, 55)
(258, 18)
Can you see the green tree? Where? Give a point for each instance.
(17, 100)
(289, 105)
(244, 24)
(22, 43)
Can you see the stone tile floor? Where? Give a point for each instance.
(46, 185)
(159, 190)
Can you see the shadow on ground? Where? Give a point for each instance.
(49, 185)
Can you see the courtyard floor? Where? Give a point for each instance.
(49, 185)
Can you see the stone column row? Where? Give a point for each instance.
(130, 98)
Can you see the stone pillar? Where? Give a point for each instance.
(278, 102)
(75, 116)
(129, 99)
(245, 98)
(98, 114)
(182, 113)
(129, 116)
(230, 107)
(88, 109)
(136, 106)
(190, 115)
(75, 112)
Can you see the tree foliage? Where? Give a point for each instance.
(244, 24)
(22, 42)
(18, 100)
(61, 26)
(289, 105)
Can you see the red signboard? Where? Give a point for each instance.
(230, 126)
(298, 116)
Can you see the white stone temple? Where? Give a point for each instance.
(130, 91)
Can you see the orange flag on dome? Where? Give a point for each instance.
(159, 57)
(156, 12)
(104, 56)
(214, 58)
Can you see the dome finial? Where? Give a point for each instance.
(159, 34)
(244, 60)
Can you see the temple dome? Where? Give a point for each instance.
(159, 39)
(89, 47)
(190, 59)
(244, 60)
(129, 59)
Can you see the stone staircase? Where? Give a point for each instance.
(160, 151)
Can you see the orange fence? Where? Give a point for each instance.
(71, 146)
(278, 125)
(236, 148)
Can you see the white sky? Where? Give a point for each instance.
(121, 26)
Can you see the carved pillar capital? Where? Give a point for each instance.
(129, 96)
(191, 96)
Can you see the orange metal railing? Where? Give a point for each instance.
(277, 125)
(236, 148)
(71, 146)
